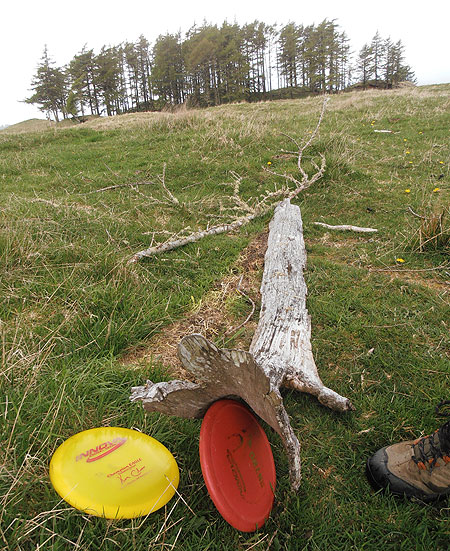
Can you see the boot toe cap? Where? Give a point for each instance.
(381, 478)
(377, 471)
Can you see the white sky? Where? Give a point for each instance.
(65, 26)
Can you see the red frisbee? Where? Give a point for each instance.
(237, 465)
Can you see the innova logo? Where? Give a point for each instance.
(94, 454)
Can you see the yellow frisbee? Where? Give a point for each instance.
(114, 472)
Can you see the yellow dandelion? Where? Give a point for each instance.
(405, 140)
(410, 162)
(441, 162)
(399, 260)
(436, 189)
(269, 163)
(408, 153)
(407, 190)
(420, 132)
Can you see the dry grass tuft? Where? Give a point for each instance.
(145, 120)
(434, 231)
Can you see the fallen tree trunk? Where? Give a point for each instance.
(282, 341)
(280, 353)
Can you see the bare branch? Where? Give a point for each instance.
(248, 210)
(112, 171)
(440, 267)
(316, 130)
(236, 198)
(109, 188)
(292, 140)
(415, 214)
(346, 227)
(170, 245)
(171, 199)
(162, 179)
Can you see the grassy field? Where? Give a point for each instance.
(80, 327)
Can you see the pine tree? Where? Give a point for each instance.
(270, 57)
(324, 35)
(394, 69)
(50, 88)
(109, 78)
(310, 58)
(168, 74)
(288, 41)
(200, 55)
(342, 60)
(82, 72)
(378, 53)
(72, 104)
(132, 75)
(364, 65)
(142, 49)
(232, 65)
(254, 42)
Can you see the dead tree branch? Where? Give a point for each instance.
(415, 214)
(345, 227)
(248, 210)
(110, 188)
(169, 194)
(170, 197)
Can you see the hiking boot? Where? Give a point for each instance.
(417, 468)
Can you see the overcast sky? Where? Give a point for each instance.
(65, 26)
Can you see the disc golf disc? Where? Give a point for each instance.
(237, 465)
(114, 472)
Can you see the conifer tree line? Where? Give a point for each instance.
(212, 65)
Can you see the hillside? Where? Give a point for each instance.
(36, 125)
(30, 125)
(80, 326)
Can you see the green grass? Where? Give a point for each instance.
(71, 307)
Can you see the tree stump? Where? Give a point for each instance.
(280, 353)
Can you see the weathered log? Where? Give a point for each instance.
(282, 340)
(280, 353)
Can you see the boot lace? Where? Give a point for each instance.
(428, 449)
